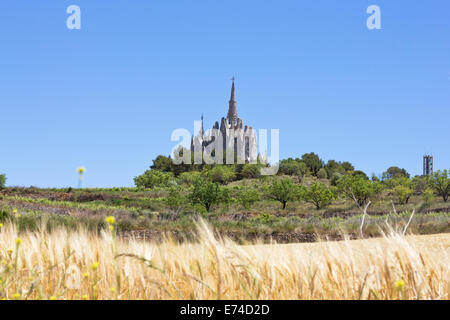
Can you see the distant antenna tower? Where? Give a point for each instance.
(427, 165)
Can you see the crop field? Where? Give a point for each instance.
(61, 265)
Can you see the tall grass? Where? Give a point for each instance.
(81, 265)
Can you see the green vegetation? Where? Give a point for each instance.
(2, 181)
(440, 181)
(307, 197)
(208, 194)
(318, 194)
(283, 191)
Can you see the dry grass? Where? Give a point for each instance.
(78, 265)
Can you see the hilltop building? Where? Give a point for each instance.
(233, 134)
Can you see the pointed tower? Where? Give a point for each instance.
(202, 130)
(232, 112)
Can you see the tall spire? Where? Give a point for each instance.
(202, 130)
(232, 112)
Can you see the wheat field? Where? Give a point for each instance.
(80, 265)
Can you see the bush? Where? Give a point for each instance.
(428, 196)
(189, 177)
(318, 194)
(222, 174)
(335, 178)
(176, 200)
(251, 171)
(154, 178)
(283, 191)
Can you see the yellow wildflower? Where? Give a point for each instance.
(18, 241)
(110, 220)
(81, 170)
(94, 266)
(16, 296)
(399, 284)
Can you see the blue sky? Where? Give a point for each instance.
(108, 96)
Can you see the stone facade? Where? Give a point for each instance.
(231, 136)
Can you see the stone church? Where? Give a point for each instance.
(230, 136)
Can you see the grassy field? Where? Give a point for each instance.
(144, 214)
(81, 265)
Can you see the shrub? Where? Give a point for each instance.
(154, 178)
(335, 178)
(189, 177)
(176, 200)
(222, 174)
(251, 171)
(322, 174)
(265, 218)
(428, 196)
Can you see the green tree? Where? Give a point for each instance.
(318, 194)
(248, 197)
(2, 181)
(208, 194)
(154, 178)
(312, 162)
(420, 184)
(348, 167)
(162, 163)
(403, 193)
(358, 189)
(441, 183)
(333, 167)
(395, 172)
(283, 191)
(360, 173)
(293, 167)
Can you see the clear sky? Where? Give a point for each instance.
(108, 96)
